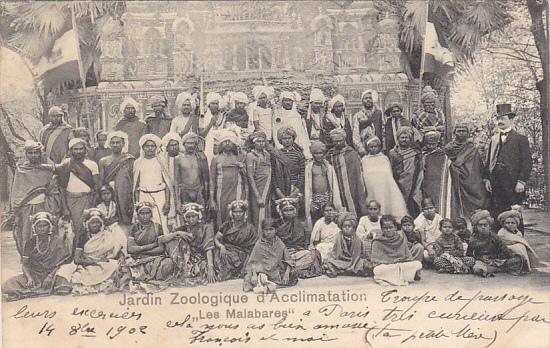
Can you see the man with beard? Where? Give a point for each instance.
(466, 169)
(116, 170)
(131, 125)
(367, 121)
(347, 164)
(508, 164)
(79, 178)
(287, 117)
(394, 121)
(33, 191)
(429, 116)
(187, 121)
(158, 123)
(315, 114)
(55, 135)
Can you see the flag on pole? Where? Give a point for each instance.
(62, 63)
(437, 59)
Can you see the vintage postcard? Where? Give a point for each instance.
(275, 173)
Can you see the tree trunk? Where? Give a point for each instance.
(536, 11)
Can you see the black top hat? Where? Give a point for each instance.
(505, 110)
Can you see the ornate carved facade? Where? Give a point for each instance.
(164, 47)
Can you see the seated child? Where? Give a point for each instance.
(393, 261)
(449, 251)
(107, 206)
(427, 223)
(460, 227)
(325, 231)
(269, 265)
(414, 240)
(347, 256)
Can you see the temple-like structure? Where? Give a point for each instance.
(166, 47)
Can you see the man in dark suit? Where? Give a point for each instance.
(508, 164)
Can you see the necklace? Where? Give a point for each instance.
(37, 247)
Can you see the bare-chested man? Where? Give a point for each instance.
(191, 172)
(321, 184)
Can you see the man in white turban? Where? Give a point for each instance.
(287, 116)
(116, 170)
(367, 122)
(151, 179)
(55, 135)
(316, 112)
(187, 121)
(213, 120)
(131, 125)
(262, 114)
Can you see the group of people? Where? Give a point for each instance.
(262, 192)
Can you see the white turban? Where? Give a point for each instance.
(32, 145)
(75, 141)
(128, 101)
(150, 137)
(55, 110)
(211, 97)
(317, 96)
(259, 90)
(336, 98)
(188, 136)
(117, 134)
(240, 97)
(183, 97)
(288, 95)
(169, 137)
(371, 92)
(224, 135)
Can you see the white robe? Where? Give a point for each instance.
(380, 185)
(324, 235)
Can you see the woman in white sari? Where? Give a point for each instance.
(511, 236)
(379, 181)
(97, 257)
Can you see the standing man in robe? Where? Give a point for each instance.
(33, 191)
(429, 115)
(466, 169)
(79, 178)
(347, 164)
(131, 125)
(55, 135)
(262, 113)
(212, 121)
(315, 114)
(508, 164)
(394, 121)
(117, 170)
(188, 120)
(159, 122)
(335, 118)
(191, 173)
(171, 145)
(436, 183)
(287, 117)
(367, 121)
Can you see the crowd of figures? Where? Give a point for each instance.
(261, 192)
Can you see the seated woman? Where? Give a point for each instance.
(392, 258)
(108, 206)
(197, 247)
(449, 251)
(490, 252)
(97, 257)
(347, 256)
(44, 253)
(235, 241)
(149, 261)
(414, 240)
(325, 231)
(292, 232)
(511, 236)
(269, 265)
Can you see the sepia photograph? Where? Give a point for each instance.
(331, 173)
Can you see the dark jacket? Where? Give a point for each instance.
(514, 154)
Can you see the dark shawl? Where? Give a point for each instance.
(40, 265)
(466, 169)
(239, 117)
(242, 235)
(292, 233)
(349, 251)
(387, 250)
(80, 170)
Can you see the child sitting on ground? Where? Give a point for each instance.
(449, 251)
(414, 240)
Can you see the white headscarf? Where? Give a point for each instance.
(169, 137)
(213, 96)
(149, 137)
(75, 141)
(259, 90)
(128, 101)
(317, 96)
(333, 100)
(372, 92)
(183, 97)
(288, 95)
(240, 97)
(117, 134)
